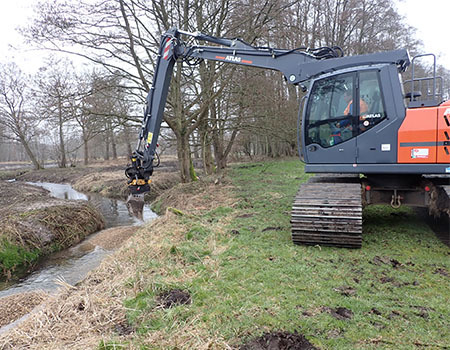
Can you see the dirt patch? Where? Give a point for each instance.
(346, 291)
(14, 307)
(279, 341)
(442, 271)
(422, 311)
(274, 228)
(173, 297)
(340, 313)
(377, 260)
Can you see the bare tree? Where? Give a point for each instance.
(55, 95)
(16, 115)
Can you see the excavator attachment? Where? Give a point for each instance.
(138, 184)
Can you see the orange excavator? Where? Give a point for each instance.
(390, 148)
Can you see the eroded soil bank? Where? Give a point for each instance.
(34, 224)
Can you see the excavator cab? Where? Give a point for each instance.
(345, 118)
(382, 132)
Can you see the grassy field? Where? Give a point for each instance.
(245, 277)
(225, 247)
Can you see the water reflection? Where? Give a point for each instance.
(115, 211)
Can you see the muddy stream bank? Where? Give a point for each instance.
(73, 264)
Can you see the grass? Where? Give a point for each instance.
(245, 276)
(12, 256)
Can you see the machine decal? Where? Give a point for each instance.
(149, 137)
(386, 147)
(420, 153)
(234, 59)
(372, 116)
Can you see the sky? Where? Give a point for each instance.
(430, 17)
(13, 14)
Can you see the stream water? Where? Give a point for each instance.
(73, 264)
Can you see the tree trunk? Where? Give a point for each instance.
(205, 146)
(30, 154)
(126, 132)
(113, 144)
(184, 157)
(106, 146)
(62, 148)
(86, 151)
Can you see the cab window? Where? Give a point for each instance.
(330, 114)
(370, 93)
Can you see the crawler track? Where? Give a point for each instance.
(328, 211)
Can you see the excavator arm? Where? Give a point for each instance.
(296, 65)
(233, 51)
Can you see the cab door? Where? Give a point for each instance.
(329, 121)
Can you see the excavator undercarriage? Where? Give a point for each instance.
(328, 210)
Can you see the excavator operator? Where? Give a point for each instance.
(344, 127)
(363, 108)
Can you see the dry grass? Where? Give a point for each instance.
(198, 196)
(13, 307)
(113, 184)
(78, 318)
(33, 224)
(75, 317)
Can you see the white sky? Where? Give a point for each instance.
(13, 14)
(430, 17)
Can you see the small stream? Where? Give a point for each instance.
(73, 264)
